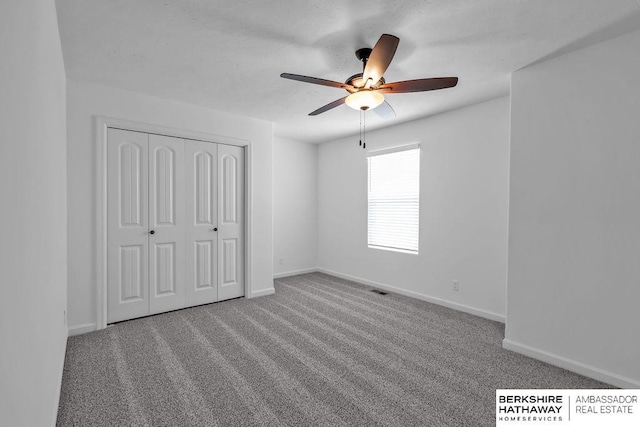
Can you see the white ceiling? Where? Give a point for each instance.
(228, 54)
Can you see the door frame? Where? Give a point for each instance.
(104, 123)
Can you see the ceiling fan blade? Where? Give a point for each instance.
(380, 58)
(316, 81)
(385, 111)
(419, 85)
(328, 107)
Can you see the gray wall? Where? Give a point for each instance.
(33, 198)
(295, 207)
(463, 210)
(574, 212)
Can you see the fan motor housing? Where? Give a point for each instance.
(357, 82)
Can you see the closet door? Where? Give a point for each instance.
(202, 222)
(166, 224)
(230, 222)
(127, 225)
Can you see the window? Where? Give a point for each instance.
(394, 199)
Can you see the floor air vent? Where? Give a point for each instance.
(378, 291)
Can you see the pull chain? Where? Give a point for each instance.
(360, 128)
(364, 129)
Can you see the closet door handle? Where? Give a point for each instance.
(152, 232)
(215, 229)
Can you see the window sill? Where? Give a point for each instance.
(385, 248)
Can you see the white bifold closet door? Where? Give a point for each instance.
(127, 225)
(231, 222)
(215, 225)
(174, 223)
(166, 222)
(202, 222)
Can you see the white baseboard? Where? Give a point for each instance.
(294, 273)
(262, 293)
(454, 305)
(571, 365)
(82, 329)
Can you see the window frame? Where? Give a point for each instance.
(387, 151)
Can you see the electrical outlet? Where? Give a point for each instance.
(281, 261)
(456, 286)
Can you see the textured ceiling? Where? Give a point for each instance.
(228, 55)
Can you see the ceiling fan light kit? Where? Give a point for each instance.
(364, 100)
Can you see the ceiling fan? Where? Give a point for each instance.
(367, 89)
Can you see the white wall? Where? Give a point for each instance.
(85, 101)
(295, 207)
(33, 256)
(574, 235)
(463, 210)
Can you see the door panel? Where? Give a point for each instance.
(167, 220)
(231, 224)
(202, 219)
(230, 256)
(204, 277)
(165, 261)
(129, 171)
(127, 238)
(203, 182)
(131, 273)
(229, 188)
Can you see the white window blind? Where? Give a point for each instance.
(394, 199)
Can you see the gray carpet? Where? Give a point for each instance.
(321, 351)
